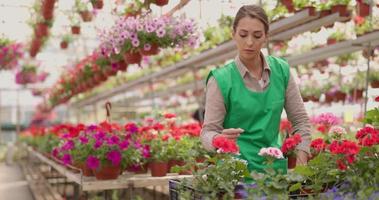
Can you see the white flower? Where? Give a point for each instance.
(204, 177)
(338, 130)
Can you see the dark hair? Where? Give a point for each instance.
(252, 11)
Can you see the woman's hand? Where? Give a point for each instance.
(230, 133)
(301, 158)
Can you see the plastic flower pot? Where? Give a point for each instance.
(154, 50)
(161, 2)
(158, 168)
(138, 169)
(331, 41)
(86, 15)
(98, 4)
(363, 9)
(374, 84)
(64, 45)
(133, 57)
(324, 13)
(291, 162)
(183, 172)
(107, 172)
(288, 4)
(75, 30)
(341, 9)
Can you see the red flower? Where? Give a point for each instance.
(359, 20)
(169, 115)
(290, 144)
(165, 137)
(341, 165)
(322, 128)
(158, 127)
(285, 125)
(368, 136)
(225, 145)
(318, 145)
(377, 99)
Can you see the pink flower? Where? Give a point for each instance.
(160, 33)
(337, 130)
(124, 144)
(135, 43)
(271, 152)
(83, 140)
(115, 157)
(69, 145)
(113, 140)
(66, 159)
(147, 47)
(98, 144)
(92, 162)
(55, 152)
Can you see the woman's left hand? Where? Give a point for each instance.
(302, 158)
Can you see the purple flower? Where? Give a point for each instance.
(92, 127)
(147, 47)
(98, 144)
(83, 140)
(55, 152)
(113, 140)
(132, 127)
(115, 157)
(137, 145)
(92, 162)
(68, 145)
(99, 135)
(124, 144)
(160, 33)
(66, 159)
(135, 42)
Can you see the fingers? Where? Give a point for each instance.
(232, 133)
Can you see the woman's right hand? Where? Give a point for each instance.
(230, 133)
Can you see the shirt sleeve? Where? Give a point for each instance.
(297, 114)
(214, 114)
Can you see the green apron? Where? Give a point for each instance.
(258, 113)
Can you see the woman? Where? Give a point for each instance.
(245, 98)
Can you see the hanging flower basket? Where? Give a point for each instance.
(35, 47)
(133, 57)
(160, 2)
(158, 169)
(107, 172)
(363, 9)
(86, 15)
(41, 30)
(150, 50)
(64, 45)
(289, 5)
(122, 65)
(75, 30)
(374, 84)
(47, 14)
(341, 9)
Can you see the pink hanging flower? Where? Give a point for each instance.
(92, 162)
(66, 159)
(115, 157)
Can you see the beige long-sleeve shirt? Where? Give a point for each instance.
(215, 108)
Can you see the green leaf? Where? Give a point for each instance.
(304, 170)
(295, 187)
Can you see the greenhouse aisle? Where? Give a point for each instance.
(13, 184)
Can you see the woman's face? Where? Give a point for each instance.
(250, 37)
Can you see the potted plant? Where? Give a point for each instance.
(289, 149)
(336, 37)
(159, 156)
(343, 60)
(362, 26)
(66, 40)
(363, 8)
(341, 7)
(41, 28)
(374, 79)
(48, 9)
(288, 4)
(11, 52)
(75, 25)
(133, 8)
(305, 4)
(82, 9)
(97, 4)
(324, 8)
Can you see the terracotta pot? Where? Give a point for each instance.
(110, 72)
(122, 65)
(41, 30)
(314, 98)
(288, 4)
(86, 15)
(64, 45)
(340, 96)
(99, 77)
(328, 98)
(356, 93)
(138, 169)
(158, 168)
(132, 57)
(324, 13)
(35, 47)
(170, 164)
(341, 9)
(132, 14)
(331, 41)
(311, 10)
(85, 170)
(154, 50)
(75, 30)
(48, 4)
(107, 172)
(98, 4)
(305, 99)
(363, 9)
(291, 162)
(161, 2)
(374, 84)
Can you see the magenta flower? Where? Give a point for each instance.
(113, 140)
(98, 144)
(99, 135)
(147, 47)
(115, 157)
(146, 151)
(66, 159)
(124, 144)
(92, 162)
(83, 140)
(131, 127)
(68, 145)
(55, 152)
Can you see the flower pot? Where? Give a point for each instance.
(98, 4)
(48, 4)
(311, 10)
(161, 2)
(41, 30)
(328, 98)
(356, 94)
(291, 162)
(122, 65)
(75, 30)
(86, 15)
(47, 14)
(363, 9)
(133, 57)
(341, 9)
(288, 4)
(340, 96)
(85, 170)
(64, 45)
(154, 50)
(134, 14)
(200, 160)
(314, 98)
(138, 169)
(305, 99)
(324, 13)
(158, 168)
(35, 47)
(374, 84)
(107, 172)
(183, 172)
(331, 41)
